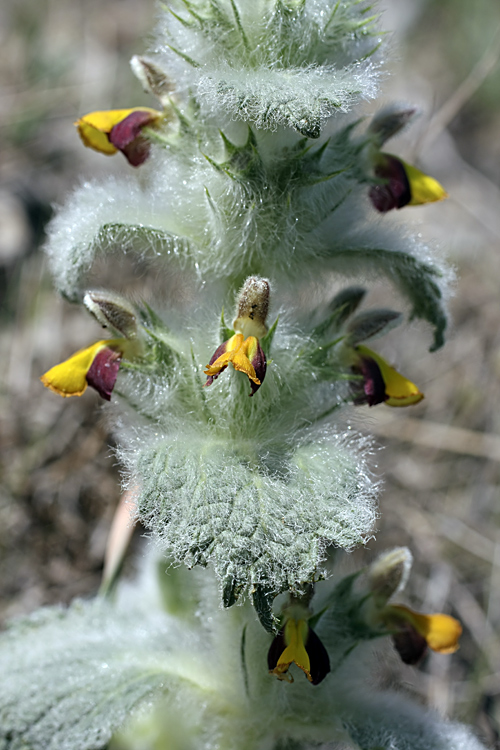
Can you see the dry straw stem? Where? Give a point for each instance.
(442, 118)
(439, 436)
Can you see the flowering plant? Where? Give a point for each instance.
(254, 189)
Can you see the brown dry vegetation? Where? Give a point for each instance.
(441, 462)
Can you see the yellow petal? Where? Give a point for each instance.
(441, 632)
(93, 138)
(232, 346)
(94, 128)
(241, 359)
(424, 189)
(295, 635)
(69, 377)
(400, 390)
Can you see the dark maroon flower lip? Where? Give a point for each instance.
(259, 363)
(127, 137)
(373, 386)
(396, 192)
(217, 353)
(410, 645)
(103, 372)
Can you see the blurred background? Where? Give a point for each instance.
(441, 459)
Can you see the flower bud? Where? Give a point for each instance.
(153, 79)
(112, 310)
(389, 573)
(253, 306)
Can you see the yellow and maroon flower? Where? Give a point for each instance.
(115, 130)
(403, 185)
(97, 366)
(297, 643)
(245, 355)
(243, 350)
(381, 383)
(413, 632)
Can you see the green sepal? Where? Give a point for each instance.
(225, 333)
(184, 123)
(371, 324)
(342, 306)
(239, 25)
(320, 356)
(267, 340)
(220, 17)
(162, 347)
(185, 57)
(150, 319)
(345, 606)
(340, 594)
(243, 163)
(187, 24)
(190, 8)
(417, 280)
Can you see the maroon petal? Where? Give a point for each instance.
(126, 137)
(128, 129)
(373, 383)
(318, 657)
(410, 645)
(103, 372)
(137, 152)
(259, 363)
(218, 353)
(396, 192)
(275, 650)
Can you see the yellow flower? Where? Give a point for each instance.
(404, 185)
(243, 350)
(97, 366)
(115, 130)
(298, 644)
(381, 382)
(414, 631)
(245, 355)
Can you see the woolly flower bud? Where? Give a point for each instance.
(253, 305)
(152, 78)
(389, 573)
(112, 310)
